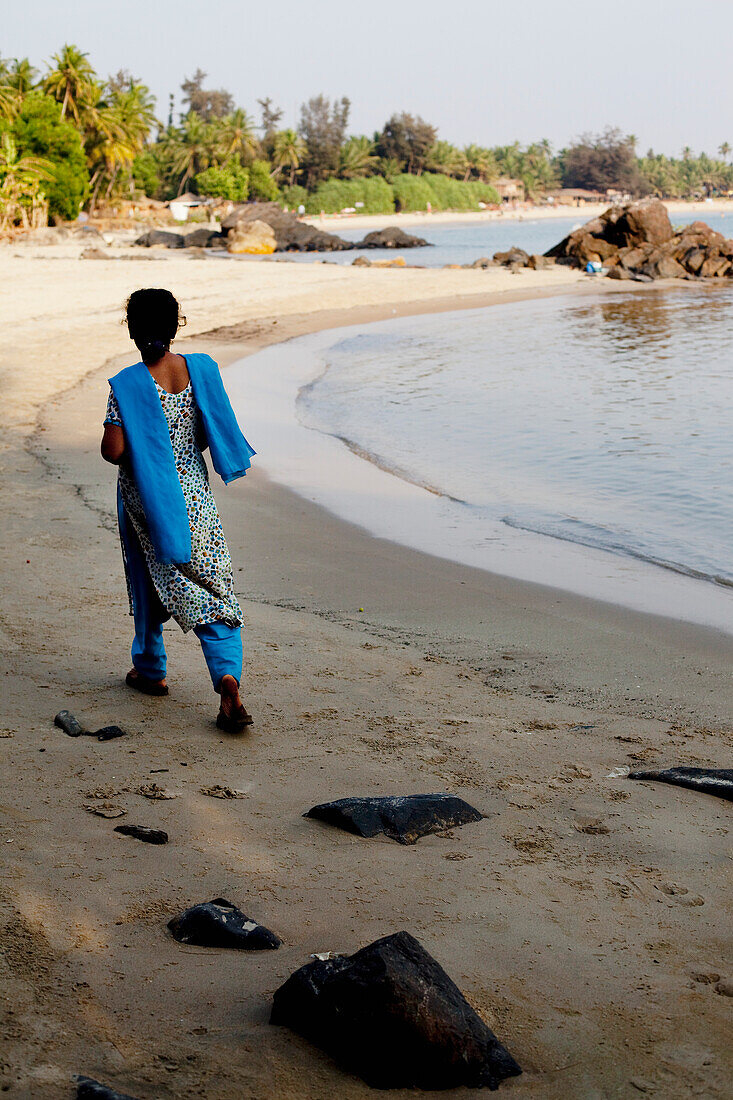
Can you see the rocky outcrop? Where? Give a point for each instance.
(291, 235)
(513, 256)
(254, 238)
(637, 242)
(391, 237)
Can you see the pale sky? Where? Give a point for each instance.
(480, 70)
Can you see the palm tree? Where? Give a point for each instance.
(70, 83)
(9, 100)
(236, 133)
(20, 186)
(446, 158)
(356, 157)
(192, 148)
(724, 150)
(479, 163)
(20, 76)
(288, 150)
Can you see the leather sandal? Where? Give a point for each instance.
(144, 685)
(234, 723)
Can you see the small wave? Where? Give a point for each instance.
(584, 538)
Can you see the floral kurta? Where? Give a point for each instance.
(202, 590)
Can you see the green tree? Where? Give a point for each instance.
(206, 103)
(21, 76)
(40, 131)
(323, 129)
(261, 184)
(71, 81)
(228, 181)
(602, 161)
(357, 158)
(407, 139)
(22, 200)
(237, 136)
(288, 151)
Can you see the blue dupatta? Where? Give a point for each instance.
(151, 456)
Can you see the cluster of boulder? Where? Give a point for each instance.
(637, 242)
(261, 228)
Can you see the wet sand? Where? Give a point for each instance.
(578, 918)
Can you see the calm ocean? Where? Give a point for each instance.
(462, 243)
(606, 422)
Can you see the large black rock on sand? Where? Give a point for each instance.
(218, 923)
(89, 1089)
(718, 781)
(391, 1014)
(404, 818)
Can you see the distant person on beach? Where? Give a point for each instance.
(162, 414)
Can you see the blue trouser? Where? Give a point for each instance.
(221, 643)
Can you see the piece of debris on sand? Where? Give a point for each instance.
(218, 923)
(142, 832)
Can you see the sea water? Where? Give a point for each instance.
(464, 242)
(605, 422)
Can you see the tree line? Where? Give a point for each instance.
(71, 140)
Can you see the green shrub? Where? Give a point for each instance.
(261, 184)
(228, 181)
(294, 196)
(39, 131)
(413, 193)
(332, 196)
(146, 174)
(442, 192)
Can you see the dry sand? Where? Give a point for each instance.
(584, 918)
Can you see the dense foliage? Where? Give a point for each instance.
(70, 140)
(39, 131)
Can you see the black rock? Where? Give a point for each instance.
(392, 237)
(141, 832)
(391, 1014)
(201, 237)
(161, 238)
(218, 923)
(108, 733)
(718, 781)
(66, 721)
(89, 1089)
(291, 234)
(404, 818)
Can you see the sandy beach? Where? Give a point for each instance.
(587, 918)
(517, 212)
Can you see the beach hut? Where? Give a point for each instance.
(183, 204)
(510, 190)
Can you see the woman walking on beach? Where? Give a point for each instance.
(162, 414)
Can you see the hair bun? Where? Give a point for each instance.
(152, 351)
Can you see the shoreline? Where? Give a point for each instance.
(522, 212)
(521, 699)
(330, 471)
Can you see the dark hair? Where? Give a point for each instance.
(153, 319)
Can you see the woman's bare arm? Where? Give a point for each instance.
(113, 444)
